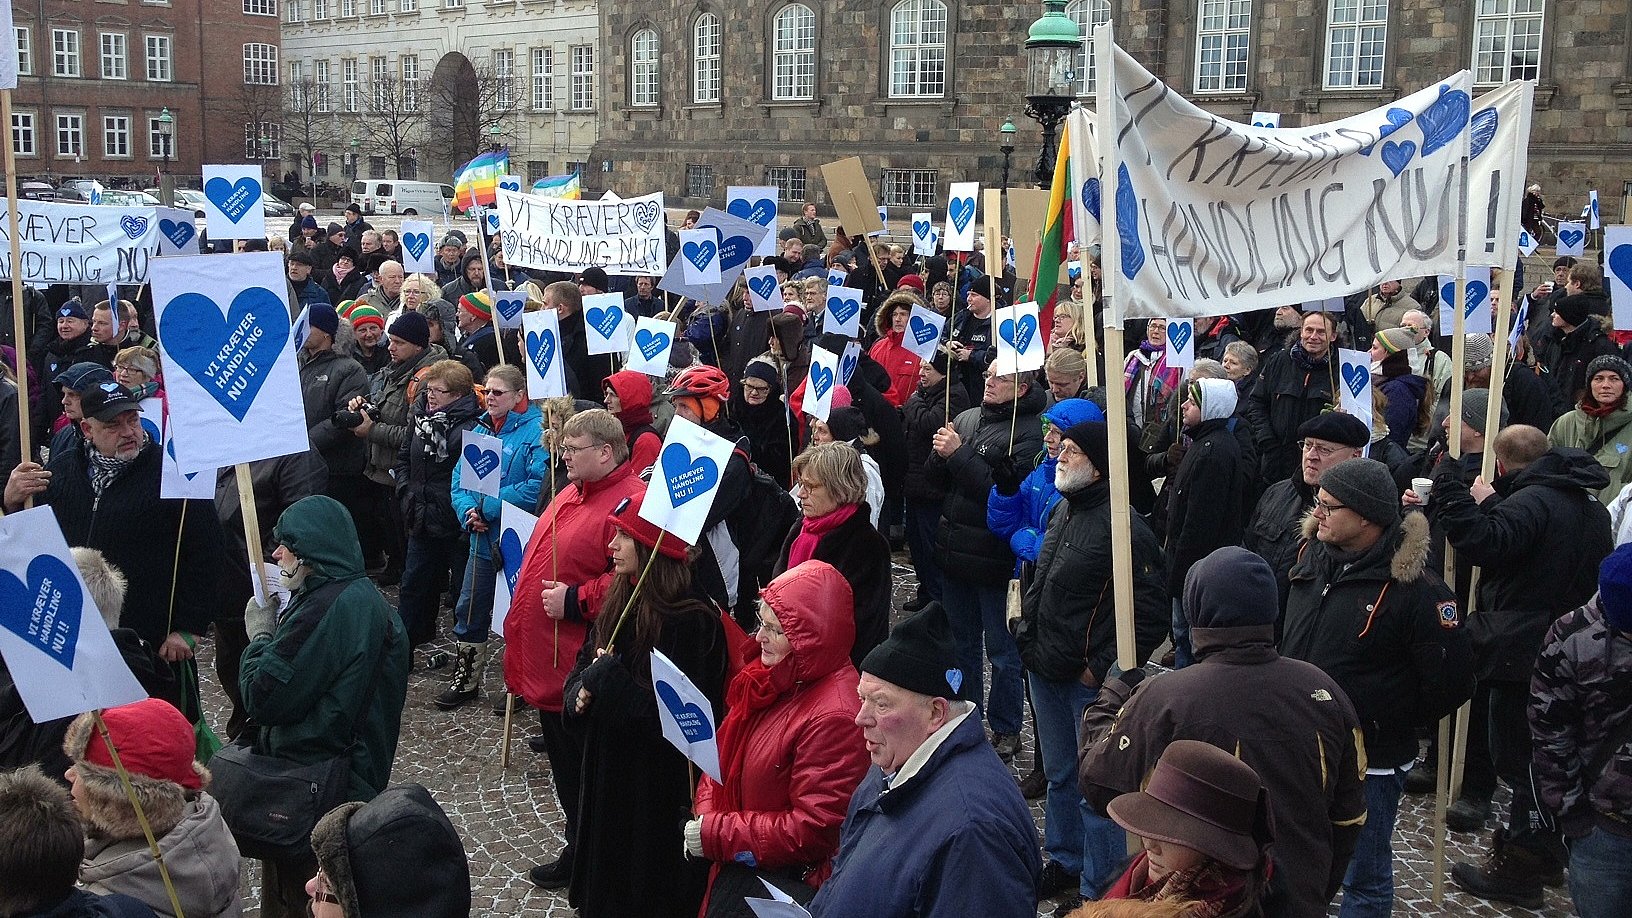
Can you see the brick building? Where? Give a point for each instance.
(95, 76)
(701, 94)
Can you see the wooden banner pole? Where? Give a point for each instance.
(136, 805)
(18, 332)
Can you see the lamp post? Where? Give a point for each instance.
(356, 173)
(1052, 47)
(494, 133)
(1005, 143)
(167, 184)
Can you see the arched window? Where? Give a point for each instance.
(918, 49)
(1087, 14)
(643, 69)
(793, 55)
(705, 59)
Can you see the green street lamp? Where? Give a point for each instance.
(1052, 47)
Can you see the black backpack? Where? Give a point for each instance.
(759, 525)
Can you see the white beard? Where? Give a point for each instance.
(293, 580)
(1067, 481)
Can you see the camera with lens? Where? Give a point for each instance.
(348, 420)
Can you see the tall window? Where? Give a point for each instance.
(407, 6)
(793, 55)
(158, 59)
(543, 90)
(262, 140)
(291, 10)
(376, 7)
(297, 85)
(260, 64)
(25, 50)
(504, 77)
(789, 181)
(70, 135)
(348, 80)
(583, 78)
(320, 86)
(261, 7)
(116, 135)
(23, 140)
(348, 8)
(379, 79)
(65, 52)
(1507, 40)
(909, 187)
(643, 68)
(699, 180)
(155, 138)
(115, 56)
(1221, 45)
(705, 59)
(1087, 14)
(320, 9)
(410, 80)
(1356, 34)
(918, 49)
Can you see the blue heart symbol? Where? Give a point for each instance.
(1178, 334)
(1477, 292)
(1262, 124)
(734, 251)
(843, 308)
(760, 211)
(1396, 156)
(961, 210)
(694, 723)
(763, 286)
(541, 351)
(493, 221)
(821, 381)
(650, 343)
(1127, 224)
(1443, 120)
(1482, 131)
(1394, 119)
(954, 680)
(482, 461)
(45, 611)
(1090, 196)
(234, 199)
(1570, 238)
(1356, 377)
(920, 228)
(700, 253)
(229, 356)
(686, 476)
(133, 226)
(179, 232)
(511, 550)
(922, 332)
(847, 367)
(1019, 334)
(1620, 263)
(510, 305)
(604, 321)
(170, 447)
(510, 186)
(416, 244)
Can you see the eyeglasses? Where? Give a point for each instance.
(435, 390)
(808, 485)
(1071, 449)
(1310, 447)
(1322, 508)
(493, 391)
(756, 389)
(770, 627)
(571, 450)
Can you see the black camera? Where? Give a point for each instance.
(347, 420)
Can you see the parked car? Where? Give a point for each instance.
(37, 191)
(275, 207)
(117, 198)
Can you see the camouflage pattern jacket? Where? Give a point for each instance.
(1581, 693)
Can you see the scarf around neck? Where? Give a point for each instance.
(433, 429)
(754, 689)
(812, 530)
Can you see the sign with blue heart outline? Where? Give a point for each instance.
(481, 464)
(843, 313)
(178, 235)
(923, 234)
(608, 328)
(509, 548)
(57, 648)
(700, 255)
(231, 378)
(764, 290)
(923, 333)
(738, 241)
(651, 343)
(1181, 342)
(1618, 273)
(756, 204)
(686, 715)
(232, 202)
(960, 216)
(1018, 340)
(541, 339)
(1572, 239)
(685, 480)
(1476, 299)
(1354, 395)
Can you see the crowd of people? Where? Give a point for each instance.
(1304, 594)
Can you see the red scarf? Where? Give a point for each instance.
(812, 530)
(1216, 890)
(753, 690)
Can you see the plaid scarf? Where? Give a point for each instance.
(104, 469)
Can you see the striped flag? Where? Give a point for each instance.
(1052, 250)
(558, 186)
(477, 182)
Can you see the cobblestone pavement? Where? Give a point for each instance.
(510, 819)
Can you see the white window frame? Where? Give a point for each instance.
(705, 59)
(376, 7)
(253, 130)
(65, 53)
(116, 134)
(348, 9)
(25, 50)
(115, 48)
(543, 77)
(1497, 26)
(908, 187)
(1356, 43)
(379, 72)
(408, 73)
(157, 58)
(70, 127)
(1223, 27)
(260, 7)
(793, 54)
(791, 181)
(321, 73)
(291, 10)
(25, 137)
(407, 6)
(644, 60)
(1087, 14)
(260, 64)
(504, 77)
(582, 98)
(918, 61)
(155, 138)
(352, 96)
(320, 9)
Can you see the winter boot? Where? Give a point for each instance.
(1510, 873)
(468, 667)
(1467, 815)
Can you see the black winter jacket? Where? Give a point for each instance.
(1540, 540)
(862, 555)
(1566, 357)
(1207, 509)
(425, 483)
(1285, 397)
(585, 371)
(964, 547)
(328, 381)
(924, 413)
(1276, 529)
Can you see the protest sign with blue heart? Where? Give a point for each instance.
(700, 255)
(232, 202)
(177, 234)
(608, 329)
(481, 464)
(686, 715)
(819, 385)
(923, 334)
(848, 361)
(685, 480)
(843, 316)
(1618, 273)
(756, 204)
(1018, 346)
(515, 531)
(1475, 302)
(1181, 342)
(1572, 238)
(541, 338)
(1354, 396)
(738, 238)
(923, 234)
(764, 291)
(960, 216)
(653, 340)
(418, 248)
(1266, 119)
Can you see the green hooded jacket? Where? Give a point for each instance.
(1612, 435)
(305, 684)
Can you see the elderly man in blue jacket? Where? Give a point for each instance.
(938, 827)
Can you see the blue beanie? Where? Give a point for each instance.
(1071, 411)
(1615, 588)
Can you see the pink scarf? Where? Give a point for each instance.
(812, 530)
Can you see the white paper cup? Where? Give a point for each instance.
(1422, 486)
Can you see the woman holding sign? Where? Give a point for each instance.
(636, 793)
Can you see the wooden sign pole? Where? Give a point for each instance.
(18, 333)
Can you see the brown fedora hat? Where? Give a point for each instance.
(1201, 797)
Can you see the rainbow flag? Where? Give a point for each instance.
(558, 186)
(477, 181)
(1052, 249)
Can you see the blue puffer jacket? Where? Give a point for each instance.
(1022, 517)
(525, 462)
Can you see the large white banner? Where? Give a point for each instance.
(1210, 214)
(1498, 154)
(1083, 142)
(558, 234)
(81, 243)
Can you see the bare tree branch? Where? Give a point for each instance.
(309, 123)
(393, 120)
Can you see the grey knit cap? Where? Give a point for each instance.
(1366, 487)
(1479, 352)
(1475, 402)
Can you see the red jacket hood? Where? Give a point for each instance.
(816, 609)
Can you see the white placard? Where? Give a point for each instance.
(764, 290)
(883, 222)
(686, 714)
(739, 239)
(231, 378)
(508, 308)
(1354, 383)
(1527, 243)
(178, 234)
(700, 255)
(1572, 239)
(1498, 154)
(923, 234)
(756, 204)
(923, 334)
(649, 348)
(509, 183)
(481, 463)
(82, 244)
(56, 646)
(960, 216)
(1476, 302)
(232, 202)
(515, 531)
(608, 329)
(8, 50)
(685, 480)
(1618, 273)
(418, 238)
(843, 314)
(1019, 339)
(1594, 218)
(1083, 139)
(541, 338)
(848, 361)
(1266, 119)
(564, 234)
(820, 383)
(1181, 342)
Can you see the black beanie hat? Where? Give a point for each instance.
(765, 373)
(412, 328)
(1092, 438)
(919, 656)
(1573, 309)
(940, 361)
(1231, 588)
(846, 424)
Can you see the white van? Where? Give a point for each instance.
(409, 198)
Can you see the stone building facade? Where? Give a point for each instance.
(522, 73)
(863, 91)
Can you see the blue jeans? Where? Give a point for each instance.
(1601, 874)
(921, 522)
(473, 614)
(1074, 836)
(975, 612)
(1368, 887)
(1182, 654)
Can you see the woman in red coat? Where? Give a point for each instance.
(891, 354)
(790, 751)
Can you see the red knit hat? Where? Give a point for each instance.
(913, 281)
(153, 739)
(628, 520)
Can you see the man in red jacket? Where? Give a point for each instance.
(563, 579)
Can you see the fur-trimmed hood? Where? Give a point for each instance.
(397, 856)
(1411, 544)
(105, 808)
(199, 853)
